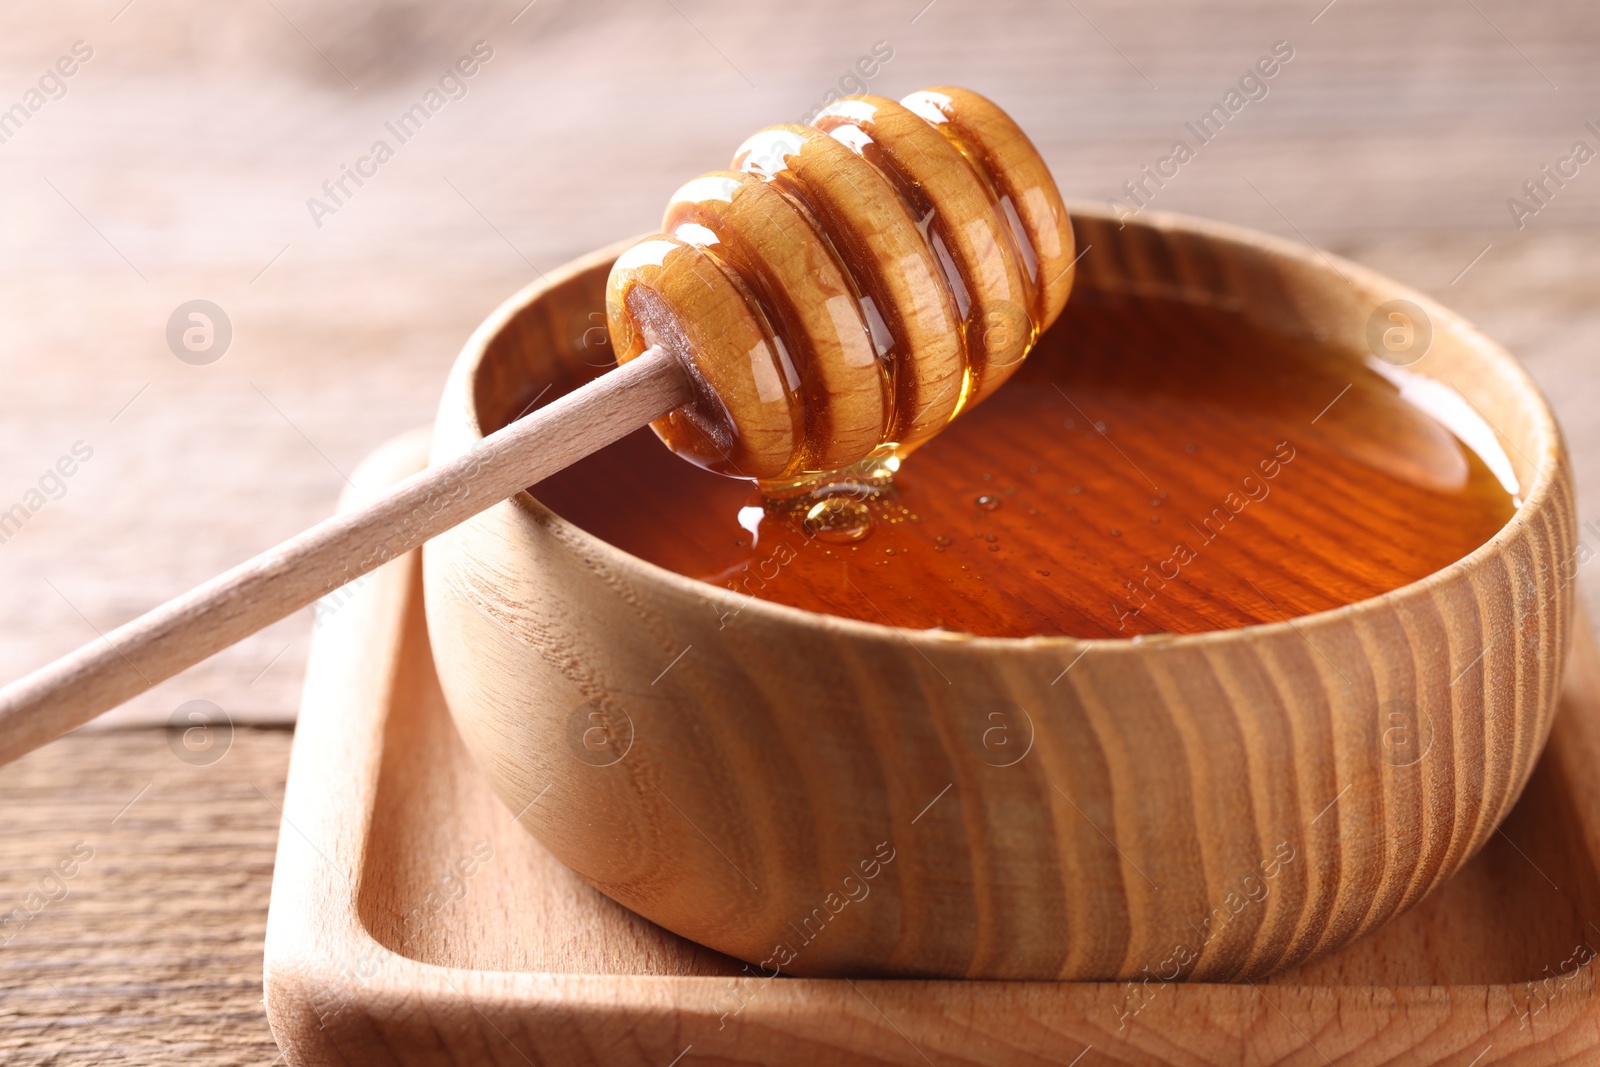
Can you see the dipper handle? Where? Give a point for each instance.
(280, 581)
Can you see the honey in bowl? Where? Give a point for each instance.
(1154, 467)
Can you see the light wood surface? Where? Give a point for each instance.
(195, 135)
(412, 922)
(757, 763)
(323, 560)
(150, 953)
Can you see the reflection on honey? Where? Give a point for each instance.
(1153, 467)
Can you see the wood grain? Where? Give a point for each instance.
(467, 940)
(779, 756)
(1394, 140)
(150, 953)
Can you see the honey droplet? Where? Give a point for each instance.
(987, 502)
(838, 519)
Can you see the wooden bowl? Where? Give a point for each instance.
(815, 794)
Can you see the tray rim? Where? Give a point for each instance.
(314, 931)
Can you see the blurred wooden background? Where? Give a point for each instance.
(178, 165)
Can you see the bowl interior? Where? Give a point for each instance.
(554, 339)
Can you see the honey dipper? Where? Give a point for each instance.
(833, 300)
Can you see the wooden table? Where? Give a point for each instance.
(178, 165)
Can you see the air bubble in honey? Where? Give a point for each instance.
(987, 502)
(838, 519)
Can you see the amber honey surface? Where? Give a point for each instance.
(1154, 467)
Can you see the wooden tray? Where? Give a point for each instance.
(414, 922)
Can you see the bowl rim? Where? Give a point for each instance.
(1550, 471)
